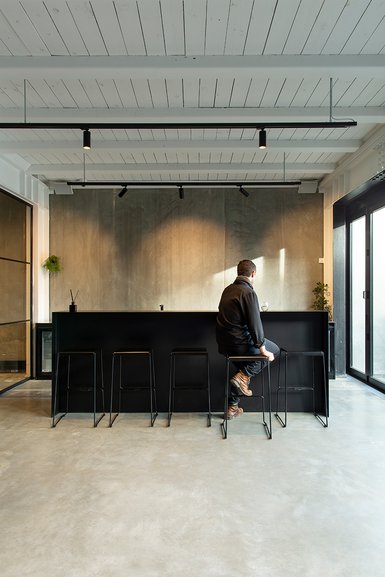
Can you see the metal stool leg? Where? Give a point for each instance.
(153, 403)
(208, 392)
(283, 356)
(267, 426)
(69, 354)
(313, 355)
(323, 422)
(148, 355)
(55, 422)
(171, 388)
(186, 352)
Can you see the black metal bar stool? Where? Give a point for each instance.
(180, 353)
(144, 358)
(313, 354)
(93, 358)
(265, 365)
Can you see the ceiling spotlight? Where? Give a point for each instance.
(243, 191)
(181, 192)
(123, 191)
(262, 138)
(86, 139)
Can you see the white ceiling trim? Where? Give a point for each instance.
(193, 67)
(114, 168)
(172, 146)
(363, 115)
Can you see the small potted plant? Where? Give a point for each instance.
(321, 303)
(52, 264)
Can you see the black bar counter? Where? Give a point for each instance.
(162, 331)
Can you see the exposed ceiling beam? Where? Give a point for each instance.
(173, 146)
(366, 115)
(192, 67)
(187, 184)
(244, 167)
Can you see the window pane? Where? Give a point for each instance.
(378, 292)
(357, 254)
(14, 353)
(15, 283)
(14, 229)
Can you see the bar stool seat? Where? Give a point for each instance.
(70, 355)
(313, 355)
(145, 360)
(177, 384)
(265, 364)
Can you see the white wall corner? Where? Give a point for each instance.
(15, 181)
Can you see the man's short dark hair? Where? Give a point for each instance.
(246, 267)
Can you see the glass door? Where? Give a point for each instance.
(358, 294)
(15, 291)
(378, 295)
(366, 290)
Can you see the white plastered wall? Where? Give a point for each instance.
(16, 181)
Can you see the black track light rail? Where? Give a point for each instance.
(172, 125)
(183, 184)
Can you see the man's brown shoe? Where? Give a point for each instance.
(234, 411)
(241, 382)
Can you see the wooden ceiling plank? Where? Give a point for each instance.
(158, 93)
(109, 27)
(174, 90)
(289, 89)
(18, 19)
(216, 26)
(10, 39)
(327, 17)
(130, 25)
(280, 26)
(190, 93)
(366, 26)
(44, 92)
(126, 93)
(65, 24)
(77, 93)
(207, 92)
(301, 28)
(142, 93)
(88, 27)
(151, 22)
(259, 26)
(173, 26)
(110, 93)
(223, 91)
(376, 43)
(194, 26)
(45, 27)
(94, 93)
(347, 21)
(240, 92)
(238, 25)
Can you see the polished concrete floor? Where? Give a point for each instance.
(135, 501)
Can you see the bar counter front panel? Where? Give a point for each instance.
(163, 331)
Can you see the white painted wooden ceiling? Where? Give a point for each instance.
(186, 61)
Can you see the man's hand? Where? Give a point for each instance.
(265, 353)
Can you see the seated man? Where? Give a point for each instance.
(239, 332)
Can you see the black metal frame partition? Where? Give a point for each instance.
(362, 203)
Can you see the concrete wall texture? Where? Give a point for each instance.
(151, 248)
